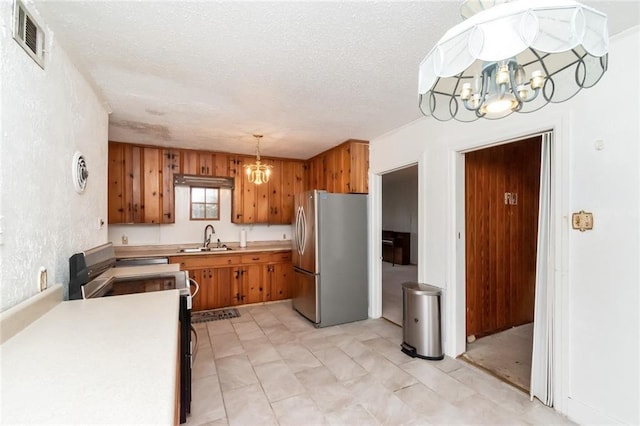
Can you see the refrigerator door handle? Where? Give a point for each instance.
(303, 221)
(300, 231)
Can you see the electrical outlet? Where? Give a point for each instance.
(284, 236)
(125, 239)
(100, 223)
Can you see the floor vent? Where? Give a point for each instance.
(28, 33)
(214, 315)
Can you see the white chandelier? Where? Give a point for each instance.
(258, 173)
(513, 57)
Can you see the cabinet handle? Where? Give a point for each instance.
(168, 215)
(255, 258)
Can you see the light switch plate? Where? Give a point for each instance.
(582, 221)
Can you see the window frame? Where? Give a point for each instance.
(204, 203)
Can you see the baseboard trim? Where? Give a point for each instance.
(585, 415)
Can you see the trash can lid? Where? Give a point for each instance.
(419, 288)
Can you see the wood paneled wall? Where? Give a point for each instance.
(501, 237)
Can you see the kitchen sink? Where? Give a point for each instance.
(204, 249)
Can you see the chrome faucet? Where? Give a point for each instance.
(207, 238)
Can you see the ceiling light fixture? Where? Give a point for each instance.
(513, 57)
(258, 173)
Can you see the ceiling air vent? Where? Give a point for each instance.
(28, 33)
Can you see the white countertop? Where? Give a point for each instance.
(107, 360)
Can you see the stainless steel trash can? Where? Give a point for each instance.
(421, 330)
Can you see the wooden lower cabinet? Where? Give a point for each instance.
(215, 288)
(231, 280)
(279, 276)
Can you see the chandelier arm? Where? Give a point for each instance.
(514, 91)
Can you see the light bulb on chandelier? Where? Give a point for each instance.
(258, 173)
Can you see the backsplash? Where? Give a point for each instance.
(192, 231)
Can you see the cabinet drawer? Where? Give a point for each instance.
(201, 261)
(280, 257)
(255, 258)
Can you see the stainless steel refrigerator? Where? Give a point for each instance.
(330, 257)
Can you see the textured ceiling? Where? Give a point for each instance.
(308, 75)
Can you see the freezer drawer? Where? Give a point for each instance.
(305, 294)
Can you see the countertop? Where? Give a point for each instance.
(107, 360)
(129, 252)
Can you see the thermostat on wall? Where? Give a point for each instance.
(80, 172)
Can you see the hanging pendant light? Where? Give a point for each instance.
(513, 56)
(258, 173)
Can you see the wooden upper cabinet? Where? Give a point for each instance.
(357, 157)
(293, 182)
(116, 191)
(170, 166)
(316, 173)
(189, 161)
(205, 163)
(270, 202)
(125, 180)
(237, 173)
(141, 184)
(343, 169)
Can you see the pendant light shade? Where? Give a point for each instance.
(513, 57)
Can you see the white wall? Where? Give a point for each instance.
(185, 231)
(598, 370)
(47, 115)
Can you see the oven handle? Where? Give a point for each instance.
(195, 283)
(194, 351)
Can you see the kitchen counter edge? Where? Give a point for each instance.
(132, 252)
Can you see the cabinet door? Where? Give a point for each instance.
(170, 166)
(152, 178)
(276, 184)
(216, 285)
(280, 276)
(343, 168)
(206, 164)
(262, 196)
(133, 181)
(293, 182)
(316, 173)
(236, 193)
(116, 193)
(236, 171)
(198, 302)
(221, 164)
(253, 284)
(189, 162)
(249, 195)
(359, 167)
(223, 287)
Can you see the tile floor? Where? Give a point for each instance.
(270, 366)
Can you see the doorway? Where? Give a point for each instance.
(399, 238)
(502, 187)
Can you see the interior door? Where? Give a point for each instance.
(501, 200)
